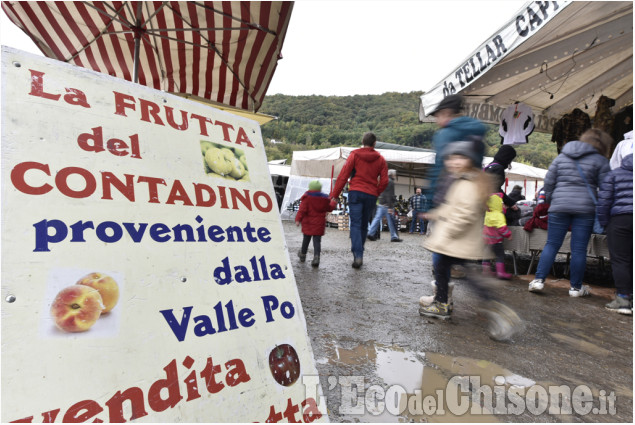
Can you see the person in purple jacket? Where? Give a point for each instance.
(615, 212)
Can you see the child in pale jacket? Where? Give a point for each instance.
(494, 231)
(457, 236)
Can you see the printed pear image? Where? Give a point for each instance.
(226, 162)
(238, 170)
(243, 160)
(205, 145)
(217, 161)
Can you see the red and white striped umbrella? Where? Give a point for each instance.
(222, 51)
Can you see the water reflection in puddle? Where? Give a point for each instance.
(423, 376)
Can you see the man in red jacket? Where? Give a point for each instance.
(369, 177)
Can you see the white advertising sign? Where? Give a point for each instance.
(533, 16)
(145, 274)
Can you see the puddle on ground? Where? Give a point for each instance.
(425, 383)
(425, 378)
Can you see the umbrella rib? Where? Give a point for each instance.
(101, 34)
(150, 17)
(153, 46)
(130, 11)
(206, 29)
(251, 24)
(114, 17)
(185, 41)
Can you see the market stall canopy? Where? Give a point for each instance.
(279, 169)
(320, 163)
(553, 56)
(218, 51)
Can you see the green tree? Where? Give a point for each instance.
(317, 122)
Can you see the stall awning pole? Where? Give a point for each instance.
(137, 45)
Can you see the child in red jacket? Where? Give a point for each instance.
(312, 215)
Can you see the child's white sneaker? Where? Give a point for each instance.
(582, 292)
(536, 285)
(426, 300)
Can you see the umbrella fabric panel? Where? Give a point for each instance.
(225, 52)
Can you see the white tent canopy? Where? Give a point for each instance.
(411, 168)
(279, 170)
(319, 163)
(552, 56)
(327, 162)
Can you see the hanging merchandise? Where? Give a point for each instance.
(622, 123)
(603, 118)
(517, 123)
(570, 127)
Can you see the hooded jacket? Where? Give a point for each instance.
(497, 167)
(312, 212)
(565, 188)
(458, 129)
(387, 197)
(616, 192)
(622, 149)
(368, 172)
(458, 221)
(495, 225)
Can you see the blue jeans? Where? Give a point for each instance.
(422, 223)
(442, 265)
(581, 228)
(360, 204)
(382, 211)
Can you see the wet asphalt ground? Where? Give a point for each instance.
(365, 329)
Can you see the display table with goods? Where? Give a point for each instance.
(533, 242)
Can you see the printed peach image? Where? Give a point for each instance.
(76, 308)
(225, 162)
(107, 287)
(82, 302)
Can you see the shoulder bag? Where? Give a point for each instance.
(597, 227)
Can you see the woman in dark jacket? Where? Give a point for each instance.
(615, 212)
(572, 178)
(502, 161)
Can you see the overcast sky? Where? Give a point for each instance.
(347, 47)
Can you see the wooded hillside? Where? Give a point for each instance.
(317, 122)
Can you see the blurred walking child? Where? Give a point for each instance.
(312, 215)
(457, 236)
(494, 231)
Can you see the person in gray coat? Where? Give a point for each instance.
(615, 210)
(385, 204)
(571, 187)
